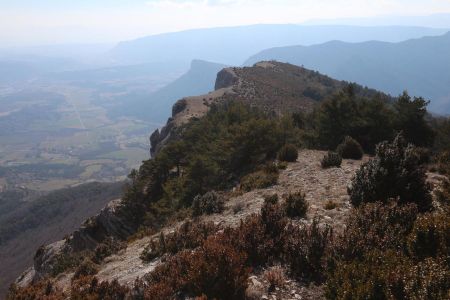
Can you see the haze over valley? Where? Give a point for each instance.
(101, 116)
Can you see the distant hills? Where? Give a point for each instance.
(421, 66)
(440, 20)
(232, 45)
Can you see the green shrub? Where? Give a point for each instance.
(258, 180)
(209, 203)
(350, 149)
(296, 205)
(288, 153)
(331, 159)
(395, 173)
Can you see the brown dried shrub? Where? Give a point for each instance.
(43, 289)
(216, 270)
(90, 288)
(376, 226)
(430, 236)
(306, 250)
(276, 277)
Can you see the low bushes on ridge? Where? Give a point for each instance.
(394, 173)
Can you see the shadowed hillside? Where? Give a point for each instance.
(26, 225)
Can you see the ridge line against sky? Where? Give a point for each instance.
(28, 22)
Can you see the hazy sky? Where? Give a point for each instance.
(30, 22)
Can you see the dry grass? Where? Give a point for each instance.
(330, 204)
(276, 277)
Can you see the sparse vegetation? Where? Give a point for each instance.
(190, 235)
(258, 180)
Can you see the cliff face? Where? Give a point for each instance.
(193, 107)
(106, 225)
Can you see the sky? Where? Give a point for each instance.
(41, 22)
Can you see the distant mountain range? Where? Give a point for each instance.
(421, 66)
(441, 20)
(232, 45)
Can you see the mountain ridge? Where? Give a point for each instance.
(218, 44)
(295, 89)
(389, 67)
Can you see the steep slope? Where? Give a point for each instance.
(232, 45)
(306, 174)
(271, 86)
(422, 66)
(30, 224)
(156, 106)
(319, 185)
